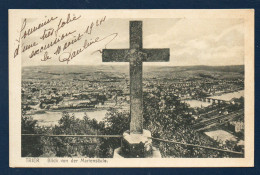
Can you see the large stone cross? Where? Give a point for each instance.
(136, 55)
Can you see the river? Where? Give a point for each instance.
(51, 118)
(229, 96)
(225, 97)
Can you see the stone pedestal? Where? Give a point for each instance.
(155, 153)
(137, 146)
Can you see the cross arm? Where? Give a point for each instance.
(120, 55)
(114, 55)
(157, 55)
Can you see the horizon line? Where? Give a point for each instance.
(145, 66)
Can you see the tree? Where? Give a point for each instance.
(31, 145)
(73, 146)
(115, 123)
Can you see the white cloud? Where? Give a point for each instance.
(191, 41)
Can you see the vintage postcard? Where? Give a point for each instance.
(131, 88)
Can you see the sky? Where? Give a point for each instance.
(213, 42)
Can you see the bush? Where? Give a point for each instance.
(31, 145)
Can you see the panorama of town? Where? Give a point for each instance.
(214, 95)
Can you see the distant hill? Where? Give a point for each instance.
(123, 68)
(233, 68)
(179, 72)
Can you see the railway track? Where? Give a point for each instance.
(218, 120)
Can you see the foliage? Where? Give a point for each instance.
(63, 146)
(164, 115)
(31, 145)
(115, 123)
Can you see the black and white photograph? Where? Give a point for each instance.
(90, 88)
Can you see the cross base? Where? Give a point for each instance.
(137, 146)
(119, 155)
